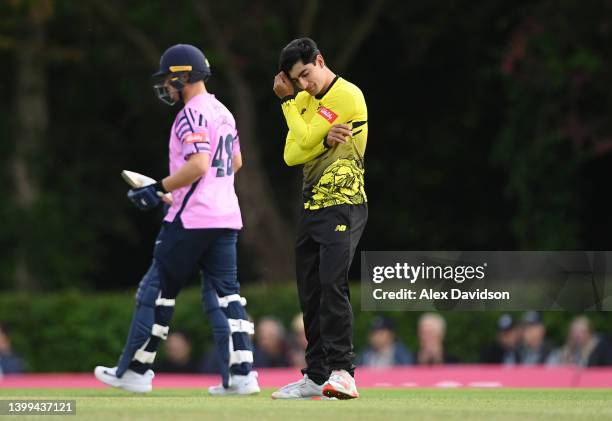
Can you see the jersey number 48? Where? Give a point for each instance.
(221, 163)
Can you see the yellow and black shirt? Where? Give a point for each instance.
(332, 176)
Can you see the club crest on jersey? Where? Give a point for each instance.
(327, 114)
(195, 138)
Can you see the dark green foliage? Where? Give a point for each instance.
(490, 124)
(73, 331)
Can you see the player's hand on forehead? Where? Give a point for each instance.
(282, 85)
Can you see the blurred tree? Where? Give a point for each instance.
(486, 120)
(262, 216)
(38, 217)
(557, 119)
(31, 121)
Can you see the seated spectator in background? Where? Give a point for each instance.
(534, 348)
(10, 363)
(297, 352)
(384, 349)
(177, 358)
(431, 333)
(508, 340)
(271, 349)
(583, 347)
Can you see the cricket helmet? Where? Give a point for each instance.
(184, 63)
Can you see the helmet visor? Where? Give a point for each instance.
(163, 93)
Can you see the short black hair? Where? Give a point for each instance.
(304, 49)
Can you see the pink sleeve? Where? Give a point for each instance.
(191, 130)
(195, 143)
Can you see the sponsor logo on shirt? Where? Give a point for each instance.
(195, 138)
(327, 114)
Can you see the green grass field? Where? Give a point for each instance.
(374, 404)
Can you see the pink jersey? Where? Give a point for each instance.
(205, 125)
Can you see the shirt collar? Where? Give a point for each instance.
(322, 94)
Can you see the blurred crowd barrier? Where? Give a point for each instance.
(457, 376)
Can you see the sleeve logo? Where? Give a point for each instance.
(195, 138)
(327, 114)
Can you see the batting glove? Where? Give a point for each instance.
(147, 198)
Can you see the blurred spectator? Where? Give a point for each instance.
(534, 349)
(431, 333)
(177, 358)
(10, 363)
(508, 340)
(384, 349)
(271, 349)
(583, 347)
(298, 342)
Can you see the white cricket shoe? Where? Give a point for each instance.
(239, 385)
(130, 381)
(340, 385)
(302, 389)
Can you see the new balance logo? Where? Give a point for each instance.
(340, 228)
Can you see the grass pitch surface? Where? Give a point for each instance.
(374, 404)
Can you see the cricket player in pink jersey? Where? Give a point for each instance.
(199, 232)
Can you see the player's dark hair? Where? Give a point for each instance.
(303, 49)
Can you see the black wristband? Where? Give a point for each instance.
(287, 98)
(325, 145)
(159, 186)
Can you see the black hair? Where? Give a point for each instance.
(304, 49)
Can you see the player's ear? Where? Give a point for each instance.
(320, 61)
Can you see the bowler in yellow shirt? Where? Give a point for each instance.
(327, 123)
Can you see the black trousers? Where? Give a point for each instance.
(326, 242)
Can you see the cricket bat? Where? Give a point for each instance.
(137, 180)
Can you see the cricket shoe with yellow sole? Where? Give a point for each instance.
(340, 385)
